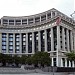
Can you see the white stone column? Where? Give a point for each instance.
(46, 16)
(51, 14)
(39, 41)
(71, 40)
(0, 42)
(63, 39)
(61, 63)
(65, 62)
(27, 21)
(52, 40)
(58, 43)
(33, 42)
(72, 63)
(52, 62)
(8, 21)
(7, 43)
(40, 19)
(26, 43)
(14, 43)
(20, 43)
(21, 21)
(69, 63)
(68, 40)
(45, 40)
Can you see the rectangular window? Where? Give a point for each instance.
(18, 22)
(5, 21)
(24, 21)
(11, 22)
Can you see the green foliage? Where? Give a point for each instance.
(41, 58)
(23, 59)
(29, 60)
(70, 56)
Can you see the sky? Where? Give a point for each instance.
(31, 7)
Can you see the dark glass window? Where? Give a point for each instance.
(24, 21)
(37, 19)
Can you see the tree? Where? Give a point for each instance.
(71, 56)
(17, 60)
(41, 58)
(29, 60)
(23, 59)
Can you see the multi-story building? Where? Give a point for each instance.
(50, 31)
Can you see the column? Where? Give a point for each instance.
(39, 41)
(33, 42)
(46, 16)
(63, 39)
(0, 42)
(8, 21)
(27, 21)
(65, 62)
(61, 63)
(26, 42)
(58, 43)
(40, 19)
(7, 43)
(69, 64)
(21, 21)
(68, 40)
(72, 63)
(55, 13)
(14, 43)
(52, 62)
(52, 40)
(45, 40)
(20, 43)
(51, 14)
(71, 40)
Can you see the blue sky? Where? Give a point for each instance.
(31, 7)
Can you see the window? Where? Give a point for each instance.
(3, 34)
(17, 43)
(18, 22)
(17, 47)
(10, 47)
(49, 15)
(5, 21)
(43, 17)
(3, 39)
(24, 21)
(24, 43)
(17, 39)
(37, 19)
(24, 39)
(3, 43)
(30, 21)
(10, 35)
(10, 39)
(3, 47)
(11, 22)
(10, 43)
